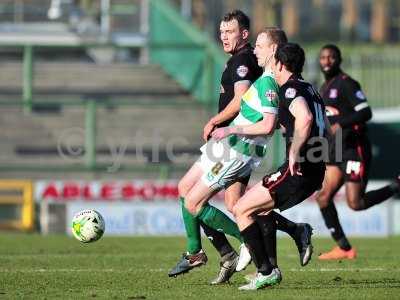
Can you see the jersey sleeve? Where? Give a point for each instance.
(242, 70)
(268, 93)
(354, 97)
(288, 94)
(353, 94)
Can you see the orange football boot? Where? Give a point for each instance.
(338, 253)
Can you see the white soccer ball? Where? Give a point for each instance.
(88, 226)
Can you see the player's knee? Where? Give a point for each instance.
(266, 223)
(238, 210)
(229, 207)
(230, 200)
(355, 205)
(235, 210)
(182, 188)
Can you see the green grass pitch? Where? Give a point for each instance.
(58, 267)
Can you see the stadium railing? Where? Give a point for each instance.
(190, 57)
(87, 161)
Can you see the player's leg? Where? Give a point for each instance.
(229, 256)
(357, 181)
(191, 223)
(234, 192)
(232, 196)
(212, 179)
(254, 201)
(191, 185)
(288, 191)
(333, 180)
(218, 239)
(268, 227)
(357, 199)
(299, 232)
(196, 203)
(194, 255)
(233, 175)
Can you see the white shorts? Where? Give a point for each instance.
(222, 165)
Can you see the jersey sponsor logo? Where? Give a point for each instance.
(360, 95)
(333, 93)
(290, 93)
(270, 95)
(242, 71)
(221, 89)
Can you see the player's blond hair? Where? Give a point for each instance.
(276, 35)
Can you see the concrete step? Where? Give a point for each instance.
(90, 76)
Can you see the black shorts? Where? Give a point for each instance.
(287, 190)
(242, 180)
(355, 161)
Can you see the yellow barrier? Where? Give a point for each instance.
(19, 193)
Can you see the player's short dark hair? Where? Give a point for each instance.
(335, 49)
(292, 56)
(276, 35)
(240, 17)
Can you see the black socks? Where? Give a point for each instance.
(254, 241)
(377, 196)
(284, 224)
(331, 219)
(218, 239)
(268, 226)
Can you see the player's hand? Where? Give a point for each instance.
(331, 111)
(207, 130)
(294, 166)
(221, 133)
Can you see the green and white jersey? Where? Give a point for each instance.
(261, 97)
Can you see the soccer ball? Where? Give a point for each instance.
(88, 226)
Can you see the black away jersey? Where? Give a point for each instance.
(242, 66)
(293, 88)
(343, 97)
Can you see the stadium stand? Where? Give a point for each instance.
(154, 105)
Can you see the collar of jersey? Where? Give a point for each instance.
(268, 72)
(244, 47)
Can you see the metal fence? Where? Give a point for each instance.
(377, 71)
(128, 23)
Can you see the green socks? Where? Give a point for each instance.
(192, 226)
(216, 219)
(212, 217)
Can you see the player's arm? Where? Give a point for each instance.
(265, 126)
(241, 75)
(233, 107)
(303, 119)
(353, 94)
(230, 110)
